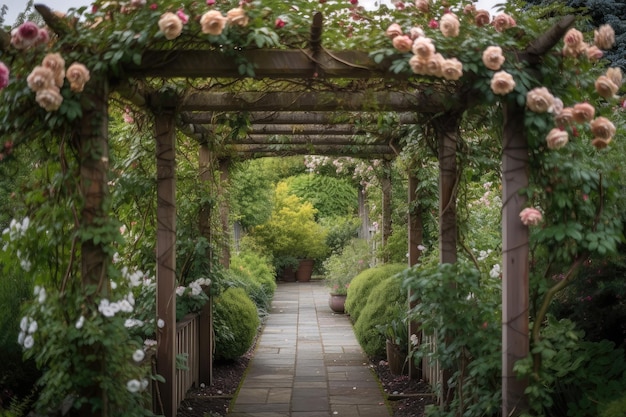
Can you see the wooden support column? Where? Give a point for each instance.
(93, 149)
(386, 203)
(515, 333)
(165, 128)
(206, 315)
(364, 231)
(225, 241)
(416, 238)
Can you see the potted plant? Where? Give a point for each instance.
(396, 335)
(340, 268)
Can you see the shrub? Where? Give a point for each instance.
(340, 268)
(616, 408)
(341, 230)
(237, 313)
(383, 304)
(329, 195)
(362, 284)
(255, 268)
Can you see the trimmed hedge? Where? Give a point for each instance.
(236, 313)
(361, 286)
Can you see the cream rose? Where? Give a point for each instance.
(212, 22)
(493, 58)
(423, 47)
(237, 17)
(530, 216)
(402, 43)
(574, 51)
(601, 127)
(594, 53)
(40, 78)
(56, 63)
(604, 37)
(540, 100)
(449, 25)
(416, 32)
(564, 117)
(605, 87)
(49, 98)
(600, 143)
(557, 138)
(171, 25)
(422, 5)
(573, 38)
(452, 69)
(78, 75)
(503, 22)
(502, 83)
(434, 65)
(418, 65)
(393, 30)
(615, 75)
(583, 112)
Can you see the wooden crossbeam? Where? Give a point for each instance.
(358, 151)
(291, 117)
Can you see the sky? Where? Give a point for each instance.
(17, 6)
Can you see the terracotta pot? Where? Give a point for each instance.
(337, 302)
(305, 270)
(395, 358)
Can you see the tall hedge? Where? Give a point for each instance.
(331, 196)
(361, 286)
(237, 319)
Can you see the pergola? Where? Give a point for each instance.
(308, 114)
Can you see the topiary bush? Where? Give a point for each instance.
(361, 286)
(236, 314)
(384, 302)
(255, 274)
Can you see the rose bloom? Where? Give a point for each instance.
(25, 35)
(557, 138)
(601, 127)
(449, 25)
(416, 32)
(594, 53)
(540, 100)
(493, 58)
(212, 22)
(605, 87)
(573, 38)
(423, 47)
(565, 116)
(402, 43)
(615, 75)
(482, 18)
(604, 37)
(237, 16)
(422, 5)
(418, 65)
(4, 75)
(49, 98)
(40, 78)
(530, 216)
(393, 30)
(574, 51)
(600, 143)
(502, 83)
(452, 69)
(56, 63)
(183, 17)
(171, 25)
(78, 75)
(42, 37)
(583, 112)
(557, 106)
(469, 9)
(503, 22)
(434, 65)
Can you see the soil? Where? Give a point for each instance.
(407, 397)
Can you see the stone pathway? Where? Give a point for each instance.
(308, 363)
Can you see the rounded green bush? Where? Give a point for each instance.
(256, 274)
(237, 319)
(361, 286)
(383, 304)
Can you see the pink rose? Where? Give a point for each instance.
(422, 5)
(56, 63)
(171, 25)
(605, 87)
(493, 58)
(237, 16)
(4, 75)
(182, 16)
(402, 43)
(530, 216)
(503, 22)
(564, 117)
(603, 128)
(416, 32)
(502, 83)
(574, 51)
(49, 98)
(279, 23)
(583, 112)
(78, 75)
(42, 37)
(557, 138)
(449, 25)
(25, 35)
(594, 53)
(418, 65)
(482, 18)
(212, 22)
(573, 38)
(40, 78)
(433, 24)
(423, 47)
(540, 100)
(600, 143)
(452, 69)
(393, 30)
(604, 37)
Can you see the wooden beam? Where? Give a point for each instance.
(268, 63)
(416, 101)
(313, 139)
(305, 129)
(293, 117)
(357, 151)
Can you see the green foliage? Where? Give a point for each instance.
(331, 197)
(467, 344)
(615, 408)
(577, 378)
(383, 303)
(341, 230)
(340, 268)
(256, 275)
(234, 311)
(249, 185)
(361, 287)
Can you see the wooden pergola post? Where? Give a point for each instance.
(385, 182)
(224, 165)
(416, 238)
(515, 336)
(165, 130)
